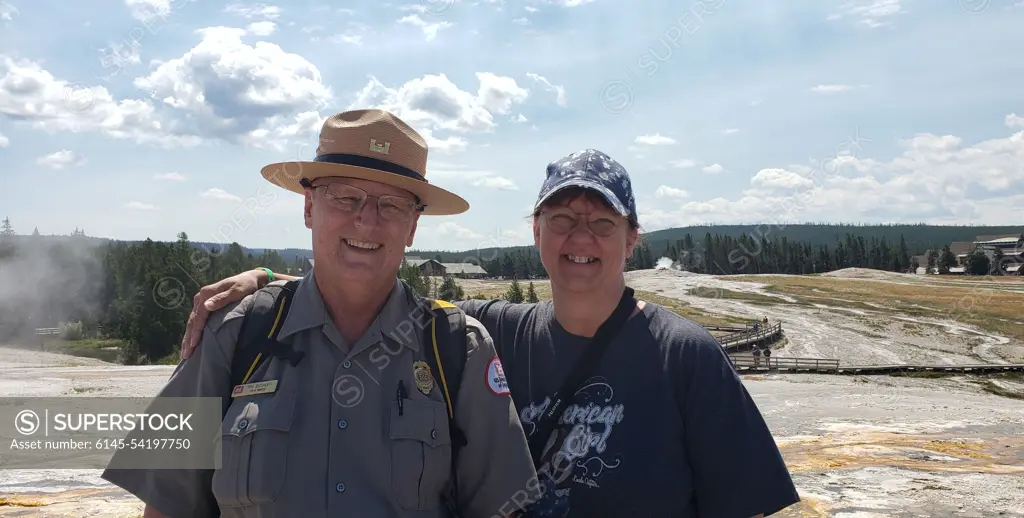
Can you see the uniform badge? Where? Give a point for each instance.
(424, 379)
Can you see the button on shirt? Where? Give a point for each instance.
(348, 432)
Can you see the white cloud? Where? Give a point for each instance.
(521, 21)
(430, 30)
(558, 89)
(665, 191)
(138, 205)
(434, 102)
(520, 119)
(730, 131)
(499, 93)
(219, 194)
(254, 11)
(1013, 120)
(936, 178)
(484, 179)
(7, 11)
(567, 3)
(450, 145)
(61, 159)
(453, 229)
(871, 13)
(4, 141)
(31, 95)
(654, 140)
(713, 169)
(171, 177)
(683, 163)
(832, 88)
(530, 9)
(145, 10)
(780, 179)
(264, 28)
(237, 92)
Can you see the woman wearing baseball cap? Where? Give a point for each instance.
(631, 409)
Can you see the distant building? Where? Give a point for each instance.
(1012, 247)
(427, 266)
(465, 270)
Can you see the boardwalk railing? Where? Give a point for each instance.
(747, 363)
(751, 336)
(750, 362)
(48, 331)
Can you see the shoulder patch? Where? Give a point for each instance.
(496, 381)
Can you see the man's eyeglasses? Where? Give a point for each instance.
(564, 222)
(350, 198)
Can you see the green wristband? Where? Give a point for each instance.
(270, 274)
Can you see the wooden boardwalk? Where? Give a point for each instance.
(748, 363)
(745, 337)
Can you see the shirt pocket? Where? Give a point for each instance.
(254, 445)
(420, 453)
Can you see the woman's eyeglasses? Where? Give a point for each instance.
(349, 198)
(564, 222)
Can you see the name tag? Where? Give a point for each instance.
(251, 389)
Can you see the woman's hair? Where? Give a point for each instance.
(565, 196)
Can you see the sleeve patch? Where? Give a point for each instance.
(496, 381)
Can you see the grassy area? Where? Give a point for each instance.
(996, 311)
(108, 350)
(100, 349)
(687, 311)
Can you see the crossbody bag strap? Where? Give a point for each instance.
(585, 366)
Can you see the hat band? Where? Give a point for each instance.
(369, 163)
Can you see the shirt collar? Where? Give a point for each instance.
(401, 320)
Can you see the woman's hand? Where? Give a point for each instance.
(215, 296)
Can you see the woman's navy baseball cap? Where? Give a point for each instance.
(591, 169)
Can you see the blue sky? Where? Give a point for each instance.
(144, 118)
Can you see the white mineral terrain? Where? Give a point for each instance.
(857, 446)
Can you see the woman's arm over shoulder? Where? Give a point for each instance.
(494, 314)
(737, 467)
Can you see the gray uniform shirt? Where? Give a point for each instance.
(333, 439)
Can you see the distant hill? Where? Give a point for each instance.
(919, 238)
(290, 255)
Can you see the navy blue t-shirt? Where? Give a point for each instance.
(664, 428)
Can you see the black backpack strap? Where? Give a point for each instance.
(257, 340)
(447, 342)
(584, 367)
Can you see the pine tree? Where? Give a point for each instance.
(450, 290)
(6, 229)
(531, 294)
(514, 293)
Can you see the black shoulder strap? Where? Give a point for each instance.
(446, 339)
(257, 340)
(585, 366)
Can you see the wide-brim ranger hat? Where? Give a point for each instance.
(592, 170)
(370, 145)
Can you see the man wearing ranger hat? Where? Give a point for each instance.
(359, 421)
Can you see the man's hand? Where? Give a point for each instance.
(213, 297)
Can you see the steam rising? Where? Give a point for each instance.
(666, 264)
(49, 280)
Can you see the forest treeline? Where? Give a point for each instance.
(141, 292)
